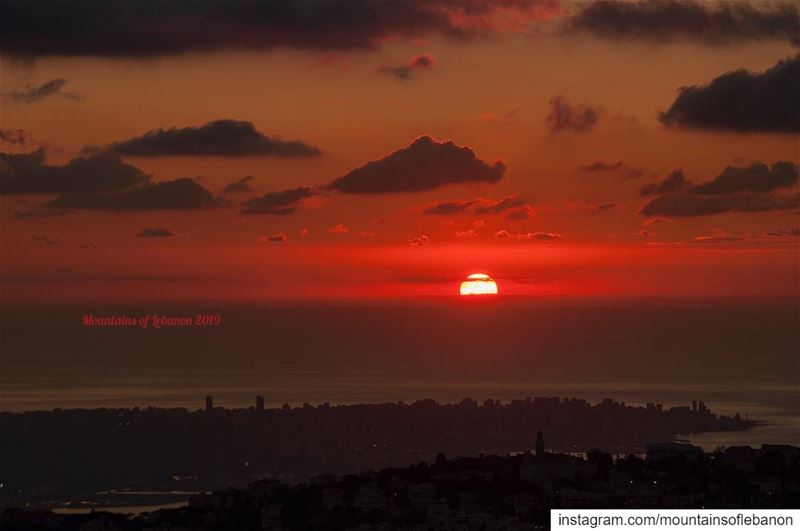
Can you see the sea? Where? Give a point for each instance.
(738, 356)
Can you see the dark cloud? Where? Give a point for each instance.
(522, 213)
(742, 101)
(34, 93)
(29, 174)
(757, 177)
(277, 203)
(241, 186)
(278, 237)
(496, 207)
(674, 182)
(588, 206)
(616, 167)
(139, 28)
(448, 208)
(658, 220)
(539, 236)
(476, 206)
(753, 188)
(546, 236)
(600, 166)
(44, 240)
(790, 232)
(97, 182)
(155, 233)
(407, 71)
(424, 165)
(564, 116)
(685, 204)
(220, 138)
(688, 20)
(180, 194)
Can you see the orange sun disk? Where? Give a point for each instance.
(478, 284)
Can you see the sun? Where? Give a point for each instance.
(478, 284)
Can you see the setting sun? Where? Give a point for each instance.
(478, 284)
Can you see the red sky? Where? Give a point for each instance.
(547, 101)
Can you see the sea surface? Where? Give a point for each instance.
(737, 355)
(120, 509)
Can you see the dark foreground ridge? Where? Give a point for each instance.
(66, 455)
(484, 493)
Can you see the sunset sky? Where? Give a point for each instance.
(388, 149)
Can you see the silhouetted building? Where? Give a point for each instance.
(539, 444)
(209, 403)
(260, 404)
